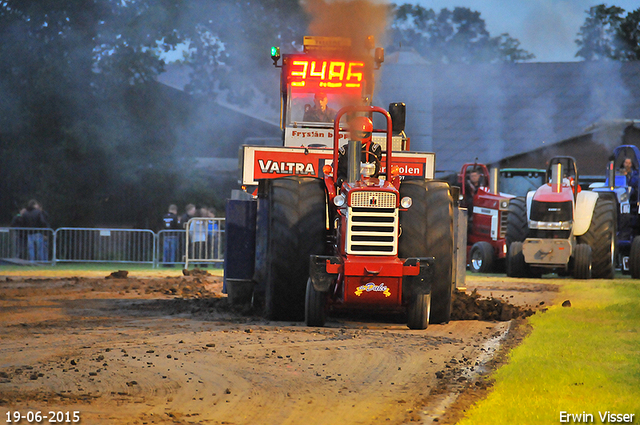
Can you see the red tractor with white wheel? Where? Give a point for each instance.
(486, 196)
(561, 228)
(487, 212)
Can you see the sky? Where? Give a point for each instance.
(546, 28)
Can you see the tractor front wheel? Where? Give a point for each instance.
(601, 237)
(634, 258)
(482, 257)
(582, 261)
(516, 266)
(315, 306)
(427, 231)
(517, 223)
(418, 312)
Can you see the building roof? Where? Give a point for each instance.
(493, 111)
(487, 111)
(178, 75)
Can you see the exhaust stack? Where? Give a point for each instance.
(611, 173)
(493, 181)
(556, 178)
(353, 161)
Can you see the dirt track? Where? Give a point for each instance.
(171, 351)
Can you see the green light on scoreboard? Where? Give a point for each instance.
(275, 55)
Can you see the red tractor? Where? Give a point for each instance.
(487, 210)
(561, 228)
(391, 241)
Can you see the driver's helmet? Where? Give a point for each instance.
(361, 129)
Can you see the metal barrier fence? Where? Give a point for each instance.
(171, 247)
(27, 244)
(74, 244)
(204, 241)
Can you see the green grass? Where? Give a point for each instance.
(89, 269)
(585, 358)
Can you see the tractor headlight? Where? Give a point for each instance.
(504, 204)
(339, 201)
(546, 225)
(406, 202)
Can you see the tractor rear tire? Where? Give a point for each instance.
(427, 231)
(601, 237)
(295, 220)
(634, 258)
(516, 266)
(482, 257)
(418, 312)
(582, 261)
(315, 306)
(517, 223)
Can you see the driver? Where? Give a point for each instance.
(629, 170)
(320, 112)
(360, 129)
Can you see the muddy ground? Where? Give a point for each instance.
(170, 350)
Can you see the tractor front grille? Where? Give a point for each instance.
(503, 224)
(373, 199)
(372, 224)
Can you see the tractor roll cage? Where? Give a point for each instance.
(369, 110)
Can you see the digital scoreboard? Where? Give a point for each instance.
(327, 75)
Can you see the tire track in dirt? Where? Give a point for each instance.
(134, 352)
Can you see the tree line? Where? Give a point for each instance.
(86, 130)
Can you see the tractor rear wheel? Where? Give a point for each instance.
(517, 223)
(418, 312)
(291, 227)
(582, 261)
(601, 237)
(314, 307)
(427, 231)
(634, 258)
(516, 266)
(482, 257)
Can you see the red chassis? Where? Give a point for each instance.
(364, 275)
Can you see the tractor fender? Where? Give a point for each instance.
(530, 196)
(585, 204)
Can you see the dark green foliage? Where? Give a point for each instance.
(83, 128)
(607, 34)
(232, 41)
(630, 36)
(598, 36)
(457, 36)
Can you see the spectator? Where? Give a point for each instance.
(189, 213)
(198, 237)
(170, 239)
(37, 243)
(19, 236)
(213, 233)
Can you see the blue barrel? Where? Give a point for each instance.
(239, 258)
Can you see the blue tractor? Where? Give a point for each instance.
(622, 181)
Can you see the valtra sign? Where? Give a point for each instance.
(261, 162)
